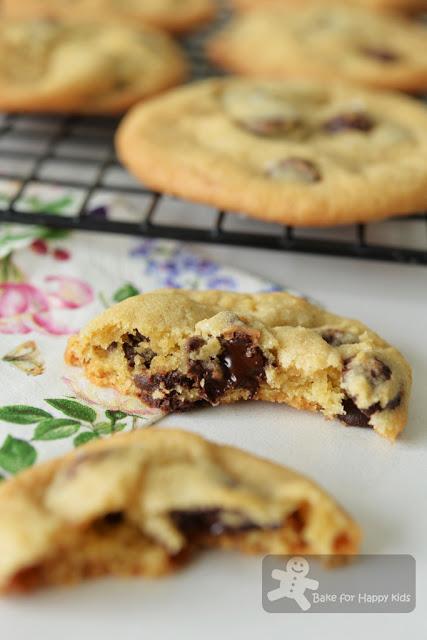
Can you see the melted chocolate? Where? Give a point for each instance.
(206, 521)
(209, 379)
(243, 362)
(239, 365)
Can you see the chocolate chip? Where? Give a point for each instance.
(130, 346)
(209, 379)
(207, 521)
(240, 364)
(379, 372)
(356, 417)
(147, 356)
(296, 521)
(169, 382)
(393, 404)
(243, 362)
(381, 54)
(114, 518)
(111, 347)
(376, 372)
(353, 416)
(336, 337)
(270, 127)
(357, 120)
(195, 343)
(295, 170)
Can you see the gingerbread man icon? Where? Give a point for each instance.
(293, 582)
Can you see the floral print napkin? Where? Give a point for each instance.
(51, 283)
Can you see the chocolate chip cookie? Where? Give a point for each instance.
(171, 15)
(325, 41)
(53, 66)
(179, 349)
(296, 152)
(406, 6)
(142, 503)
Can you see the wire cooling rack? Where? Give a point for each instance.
(74, 159)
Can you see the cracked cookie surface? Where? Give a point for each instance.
(328, 42)
(178, 349)
(142, 503)
(53, 66)
(295, 152)
(171, 15)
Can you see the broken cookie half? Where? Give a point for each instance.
(176, 349)
(141, 503)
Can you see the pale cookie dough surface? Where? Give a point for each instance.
(295, 152)
(328, 42)
(179, 349)
(51, 66)
(141, 503)
(172, 15)
(406, 6)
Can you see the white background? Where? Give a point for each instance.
(381, 484)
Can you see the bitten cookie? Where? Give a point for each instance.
(53, 66)
(171, 15)
(296, 152)
(328, 42)
(142, 503)
(179, 349)
(406, 6)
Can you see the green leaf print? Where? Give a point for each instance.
(85, 437)
(73, 409)
(56, 428)
(126, 291)
(113, 416)
(36, 204)
(22, 414)
(103, 428)
(16, 455)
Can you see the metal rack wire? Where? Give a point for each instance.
(33, 148)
